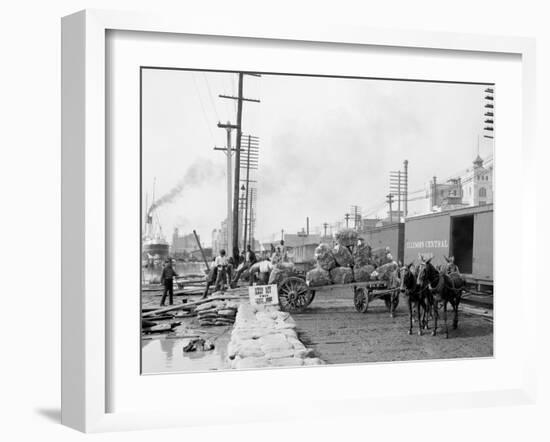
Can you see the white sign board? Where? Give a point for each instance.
(263, 294)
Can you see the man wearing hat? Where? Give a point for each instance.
(450, 267)
(167, 278)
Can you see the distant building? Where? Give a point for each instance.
(300, 246)
(196, 255)
(304, 253)
(182, 245)
(369, 223)
(478, 186)
(216, 241)
(474, 188)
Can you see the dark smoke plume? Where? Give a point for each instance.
(200, 171)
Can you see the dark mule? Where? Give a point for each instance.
(441, 287)
(411, 290)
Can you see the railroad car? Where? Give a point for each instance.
(465, 233)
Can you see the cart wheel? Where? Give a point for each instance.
(361, 299)
(294, 294)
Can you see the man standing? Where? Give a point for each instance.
(222, 264)
(211, 277)
(167, 278)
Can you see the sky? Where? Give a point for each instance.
(325, 144)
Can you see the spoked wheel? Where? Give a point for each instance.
(311, 297)
(294, 294)
(361, 299)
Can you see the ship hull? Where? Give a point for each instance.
(155, 250)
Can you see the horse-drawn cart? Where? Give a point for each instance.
(295, 294)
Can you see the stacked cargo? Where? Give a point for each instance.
(349, 261)
(217, 313)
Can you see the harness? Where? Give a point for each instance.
(441, 284)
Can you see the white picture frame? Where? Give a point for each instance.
(85, 350)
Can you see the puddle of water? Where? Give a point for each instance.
(164, 354)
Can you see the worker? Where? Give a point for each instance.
(222, 265)
(249, 260)
(450, 267)
(260, 271)
(211, 276)
(167, 278)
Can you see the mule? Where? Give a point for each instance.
(416, 297)
(441, 288)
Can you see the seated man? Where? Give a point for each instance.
(250, 260)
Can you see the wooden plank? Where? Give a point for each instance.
(188, 305)
(370, 284)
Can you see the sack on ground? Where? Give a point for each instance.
(341, 275)
(317, 277)
(342, 256)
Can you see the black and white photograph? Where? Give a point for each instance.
(298, 220)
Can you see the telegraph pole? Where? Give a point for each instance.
(228, 152)
(240, 99)
(399, 187)
(347, 217)
(251, 163)
(389, 197)
(325, 225)
(406, 188)
(356, 216)
(238, 126)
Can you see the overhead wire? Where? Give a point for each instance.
(203, 109)
(211, 96)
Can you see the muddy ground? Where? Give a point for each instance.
(333, 329)
(340, 335)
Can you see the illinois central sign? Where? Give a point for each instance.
(428, 244)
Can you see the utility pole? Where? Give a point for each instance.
(399, 187)
(240, 99)
(489, 113)
(389, 197)
(434, 192)
(356, 216)
(406, 188)
(325, 225)
(347, 217)
(252, 153)
(228, 152)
